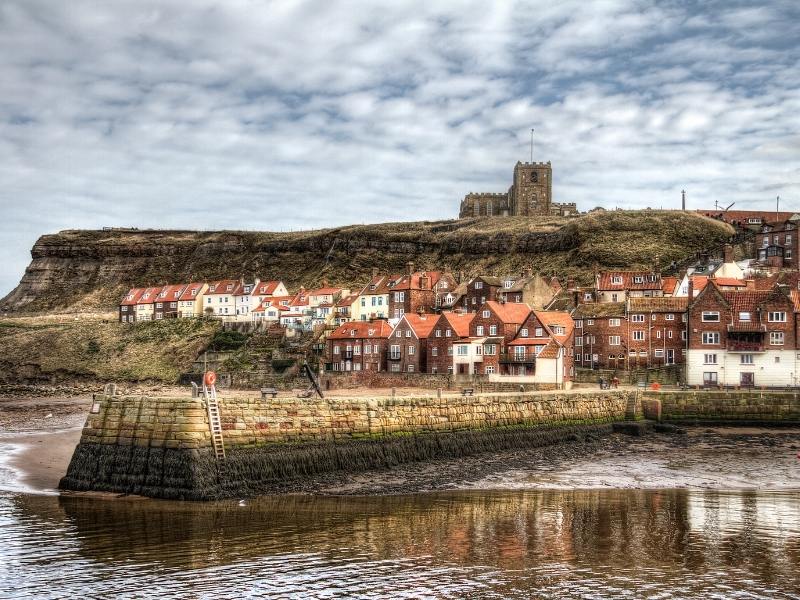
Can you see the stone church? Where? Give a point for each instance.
(530, 194)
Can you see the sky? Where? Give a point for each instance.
(248, 114)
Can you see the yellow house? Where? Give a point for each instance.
(190, 304)
(145, 305)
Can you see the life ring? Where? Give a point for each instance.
(210, 378)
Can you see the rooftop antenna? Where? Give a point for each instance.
(683, 200)
(531, 144)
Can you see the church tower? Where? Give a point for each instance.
(532, 191)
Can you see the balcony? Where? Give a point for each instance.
(518, 359)
(741, 346)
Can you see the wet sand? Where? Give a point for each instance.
(38, 436)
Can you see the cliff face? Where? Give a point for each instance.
(90, 270)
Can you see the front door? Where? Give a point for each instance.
(747, 380)
(670, 357)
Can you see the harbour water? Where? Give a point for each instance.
(613, 543)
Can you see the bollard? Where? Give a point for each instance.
(439, 393)
(195, 390)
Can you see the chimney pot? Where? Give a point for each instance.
(410, 267)
(728, 253)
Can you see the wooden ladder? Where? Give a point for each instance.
(214, 422)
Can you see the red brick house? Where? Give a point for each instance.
(656, 331)
(742, 338)
(127, 306)
(420, 291)
(617, 286)
(408, 343)
(166, 304)
(479, 290)
(450, 327)
(358, 346)
(543, 348)
(601, 335)
(493, 326)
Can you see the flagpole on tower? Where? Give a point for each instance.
(531, 144)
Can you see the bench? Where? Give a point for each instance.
(268, 392)
(468, 392)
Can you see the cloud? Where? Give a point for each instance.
(290, 115)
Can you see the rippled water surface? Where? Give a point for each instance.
(589, 543)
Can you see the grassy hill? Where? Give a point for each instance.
(89, 270)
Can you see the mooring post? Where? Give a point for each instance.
(439, 393)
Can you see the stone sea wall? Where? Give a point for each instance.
(723, 407)
(162, 446)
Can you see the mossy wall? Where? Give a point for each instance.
(721, 406)
(162, 446)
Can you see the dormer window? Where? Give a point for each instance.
(616, 280)
(508, 283)
(228, 288)
(194, 292)
(373, 287)
(638, 279)
(478, 285)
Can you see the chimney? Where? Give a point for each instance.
(691, 290)
(374, 272)
(410, 267)
(424, 282)
(461, 277)
(570, 283)
(728, 253)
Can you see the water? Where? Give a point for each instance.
(469, 544)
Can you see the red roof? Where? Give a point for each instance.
(650, 280)
(325, 291)
(265, 288)
(729, 282)
(510, 312)
(459, 322)
(668, 284)
(223, 286)
(380, 284)
(552, 318)
(347, 300)
(149, 295)
(412, 282)
(421, 324)
(362, 329)
(171, 293)
(766, 216)
(132, 297)
(191, 287)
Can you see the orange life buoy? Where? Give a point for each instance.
(210, 378)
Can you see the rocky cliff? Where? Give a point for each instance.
(89, 270)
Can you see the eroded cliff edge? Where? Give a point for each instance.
(89, 270)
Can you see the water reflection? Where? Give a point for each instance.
(561, 543)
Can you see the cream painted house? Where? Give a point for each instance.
(145, 305)
(220, 300)
(190, 304)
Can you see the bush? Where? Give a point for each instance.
(227, 340)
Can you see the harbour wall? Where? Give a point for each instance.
(162, 447)
(723, 407)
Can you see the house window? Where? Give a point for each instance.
(463, 350)
(777, 359)
(478, 285)
(357, 350)
(669, 334)
(490, 349)
(614, 298)
(411, 350)
(336, 349)
(579, 341)
(616, 280)
(408, 333)
(395, 368)
(614, 322)
(744, 316)
(489, 369)
(410, 368)
(124, 309)
(638, 279)
(523, 332)
(590, 322)
(613, 340)
(539, 332)
(710, 378)
(492, 329)
(579, 324)
(658, 352)
(658, 334)
(449, 351)
(776, 338)
(637, 318)
(375, 349)
(746, 359)
(434, 352)
(367, 349)
(777, 317)
(485, 314)
(447, 333)
(710, 316)
(710, 337)
(438, 333)
(479, 330)
(394, 352)
(709, 359)
(669, 317)
(638, 335)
